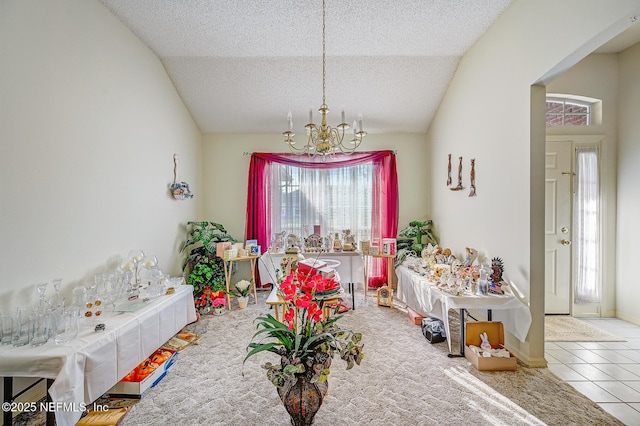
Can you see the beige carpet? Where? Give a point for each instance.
(564, 328)
(403, 380)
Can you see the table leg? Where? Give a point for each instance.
(277, 308)
(253, 280)
(227, 279)
(462, 337)
(51, 415)
(352, 292)
(489, 315)
(366, 275)
(7, 415)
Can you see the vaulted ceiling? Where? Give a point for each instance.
(241, 65)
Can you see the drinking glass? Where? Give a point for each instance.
(66, 326)
(39, 326)
(19, 328)
(5, 328)
(41, 288)
(136, 256)
(58, 300)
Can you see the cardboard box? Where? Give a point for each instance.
(326, 272)
(230, 254)
(415, 317)
(139, 389)
(221, 247)
(495, 334)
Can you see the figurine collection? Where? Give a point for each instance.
(456, 275)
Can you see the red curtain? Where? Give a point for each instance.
(384, 222)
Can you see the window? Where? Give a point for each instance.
(357, 192)
(568, 112)
(586, 262)
(572, 110)
(334, 198)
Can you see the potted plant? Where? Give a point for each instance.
(218, 304)
(241, 291)
(203, 269)
(305, 343)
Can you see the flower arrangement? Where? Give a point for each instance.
(242, 288)
(219, 302)
(306, 342)
(209, 299)
(181, 190)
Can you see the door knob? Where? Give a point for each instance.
(565, 242)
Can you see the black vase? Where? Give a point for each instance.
(303, 399)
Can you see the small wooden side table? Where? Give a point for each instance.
(390, 258)
(228, 268)
(276, 302)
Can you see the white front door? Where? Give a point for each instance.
(558, 196)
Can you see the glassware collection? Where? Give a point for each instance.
(137, 278)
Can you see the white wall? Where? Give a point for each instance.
(487, 114)
(226, 171)
(89, 124)
(628, 248)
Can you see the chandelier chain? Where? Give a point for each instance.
(324, 54)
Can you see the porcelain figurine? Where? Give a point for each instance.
(470, 257)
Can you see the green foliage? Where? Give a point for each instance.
(201, 266)
(417, 229)
(411, 239)
(202, 238)
(208, 272)
(308, 350)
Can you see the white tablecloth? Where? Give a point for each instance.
(351, 269)
(91, 364)
(426, 299)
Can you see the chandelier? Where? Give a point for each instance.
(323, 139)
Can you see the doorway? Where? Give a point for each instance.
(573, 240)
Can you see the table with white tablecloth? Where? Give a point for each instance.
(427, 299)
(88, 366)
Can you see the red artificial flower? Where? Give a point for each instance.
(314, 312)
(303, 301)
(289, 288)
(288, 316)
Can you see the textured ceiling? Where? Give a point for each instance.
(241, 65)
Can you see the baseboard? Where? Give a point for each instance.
(628, 318)
(529, 362)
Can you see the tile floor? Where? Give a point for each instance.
(606, 372)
